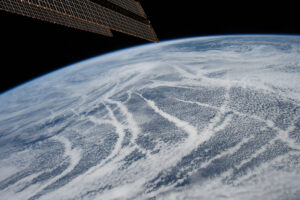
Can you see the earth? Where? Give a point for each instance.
(196, 118)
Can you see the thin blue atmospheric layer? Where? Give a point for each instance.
(198, 118)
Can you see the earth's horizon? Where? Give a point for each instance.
(213, 117)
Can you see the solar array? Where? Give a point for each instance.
(97, 16)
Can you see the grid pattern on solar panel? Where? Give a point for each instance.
(81, 14)
(130, 5)
(127, 25)
(95, 13)
(16, 6)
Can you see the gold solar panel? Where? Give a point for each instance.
(16, 6)
(100, 17)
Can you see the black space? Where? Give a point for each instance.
(30, 48)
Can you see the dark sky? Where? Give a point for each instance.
(30, 48)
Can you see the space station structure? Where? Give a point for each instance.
(96, 16)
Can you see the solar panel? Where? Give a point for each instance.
(15, 6)
(87, 15)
